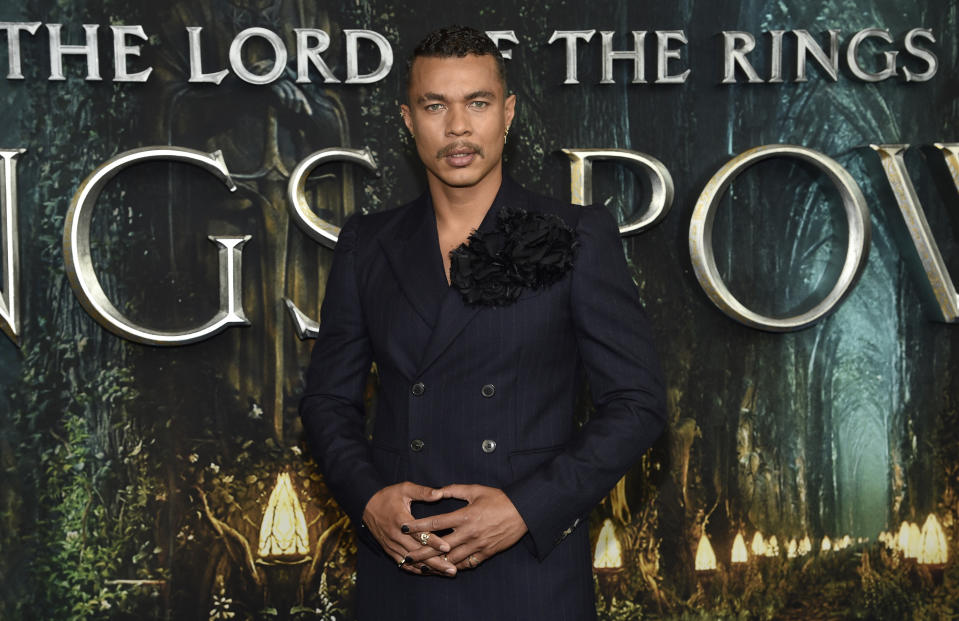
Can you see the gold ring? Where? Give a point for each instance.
(424, 538)
(471, 561)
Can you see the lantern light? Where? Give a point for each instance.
(705, 557)
(933, 549)
(792, 548)
(283, 533)
(772, 547)
(913, 541)
(609, 554)
(902, 538)
(739, 549)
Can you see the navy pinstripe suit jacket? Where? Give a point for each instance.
(387, 300)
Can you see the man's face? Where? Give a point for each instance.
(458, 113)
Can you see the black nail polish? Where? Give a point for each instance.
(405, 529)
(408, 559)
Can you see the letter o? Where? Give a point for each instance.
(279, 56)
(701, 230)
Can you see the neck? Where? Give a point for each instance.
(464, 207)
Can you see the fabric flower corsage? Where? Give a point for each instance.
(524, 250)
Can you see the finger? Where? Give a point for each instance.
(472, 561)
(461, 552)
(413, 569)
(439, 566)
(421, 492)
(435, 565)
(443, 521)
(430, 542)
(459, 490)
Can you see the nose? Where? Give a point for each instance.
(457, 122)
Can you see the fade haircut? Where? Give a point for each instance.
(457, 41)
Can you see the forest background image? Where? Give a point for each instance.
(132, 476)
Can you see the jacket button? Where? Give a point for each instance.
(489, 446)
(488, 390)
(418, 388)
(417, 445)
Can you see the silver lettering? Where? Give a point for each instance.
(701, 244)
(807, 45)
(664, 54)
(9, 299)
(940, 282)
(503, 35)
(83, 277)
(307, 53)
(196, 60)
(660, 181)
(121, 50)
(736, 45)
(58, 51)
(571, 36)
(932, 62)
(352, 59)
(852, 58)
(279, 56)
(14, 29)
(316, 227)
(776, 65)
(637, 55)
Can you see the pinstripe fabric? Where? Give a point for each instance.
(387, 300)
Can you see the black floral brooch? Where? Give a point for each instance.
(524, 250)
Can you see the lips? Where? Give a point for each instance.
(460, 154)
(460, 157)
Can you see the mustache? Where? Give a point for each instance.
(459, 145)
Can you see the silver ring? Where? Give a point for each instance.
(424, 538)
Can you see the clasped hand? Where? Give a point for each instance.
(488, 524)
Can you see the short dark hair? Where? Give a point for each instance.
(457, 41)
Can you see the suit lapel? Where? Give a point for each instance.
(414, 256)
(453, 314)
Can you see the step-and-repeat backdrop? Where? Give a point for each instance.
(786, 177)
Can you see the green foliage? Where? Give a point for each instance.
(85, 478)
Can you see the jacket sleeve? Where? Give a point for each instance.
(625, 381)
(332, 407)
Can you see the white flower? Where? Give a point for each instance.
(214, 466)
(193, 457)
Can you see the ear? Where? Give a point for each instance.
(509, 109)
(405, 112)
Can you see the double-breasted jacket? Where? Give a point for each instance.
(482, 395)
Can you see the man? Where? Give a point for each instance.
(480, 303)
